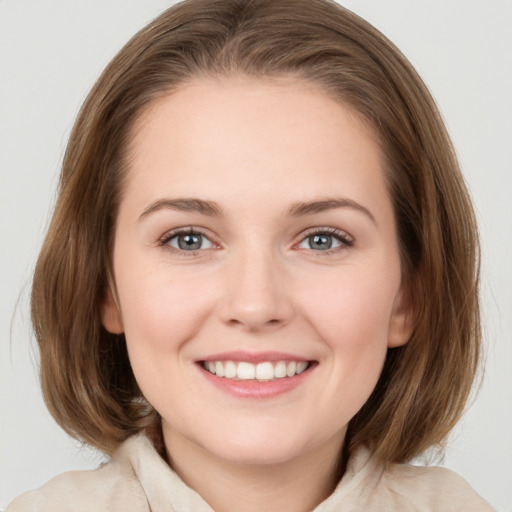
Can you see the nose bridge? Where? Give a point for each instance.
(256, 295)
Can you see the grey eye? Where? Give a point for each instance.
(320, 242)
(190, 242)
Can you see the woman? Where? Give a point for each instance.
(261, 271)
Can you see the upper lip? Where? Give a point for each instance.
(253, 357)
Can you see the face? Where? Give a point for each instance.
(256, 267)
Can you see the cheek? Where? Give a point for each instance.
(161, 314)
(162, 311)
(350, 314)
(351, 310)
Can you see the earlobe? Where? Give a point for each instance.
(110, 314)
(403, 319)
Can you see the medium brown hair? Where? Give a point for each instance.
(86, 376)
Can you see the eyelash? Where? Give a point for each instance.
(345, 240)
(191, 230)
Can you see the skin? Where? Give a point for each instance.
(256, 149)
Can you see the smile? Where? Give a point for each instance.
(263, 372)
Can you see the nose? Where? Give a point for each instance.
(257, 296)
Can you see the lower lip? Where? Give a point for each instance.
(257, 389)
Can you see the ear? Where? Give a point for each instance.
(403, 318)
(110, 314)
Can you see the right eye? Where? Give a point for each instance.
(188, 241)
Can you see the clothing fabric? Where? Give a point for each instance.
(137, 479)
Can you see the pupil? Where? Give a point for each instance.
(189, 242)
(320, 242)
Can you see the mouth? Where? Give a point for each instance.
(265, 371)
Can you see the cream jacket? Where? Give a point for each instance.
(137, 480)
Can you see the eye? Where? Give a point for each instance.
(188, 241)
(325, 240)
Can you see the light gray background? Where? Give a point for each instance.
(50, 54)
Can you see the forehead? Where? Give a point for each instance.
(248, 132)
(218, 105)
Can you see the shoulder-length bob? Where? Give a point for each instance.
(85, 372)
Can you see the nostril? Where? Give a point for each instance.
(254, 324)
(254, 310)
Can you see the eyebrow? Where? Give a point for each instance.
(183, 205)
(211, 208)
(310, 208)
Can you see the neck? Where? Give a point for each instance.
(296, 485)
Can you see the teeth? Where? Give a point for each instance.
(229, 370)
(291, 368)
(301, 366)
(262, 372)
(245, 371)
(280, 370)
(219, 369)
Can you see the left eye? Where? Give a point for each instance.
(189, 242)
(321, 242)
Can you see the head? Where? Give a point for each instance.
(87, 378)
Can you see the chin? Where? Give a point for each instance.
(259, 446)
(257, 454)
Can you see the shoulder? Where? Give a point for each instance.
(113, 487)
(371, 486)
(136, 479)
(432, 489)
